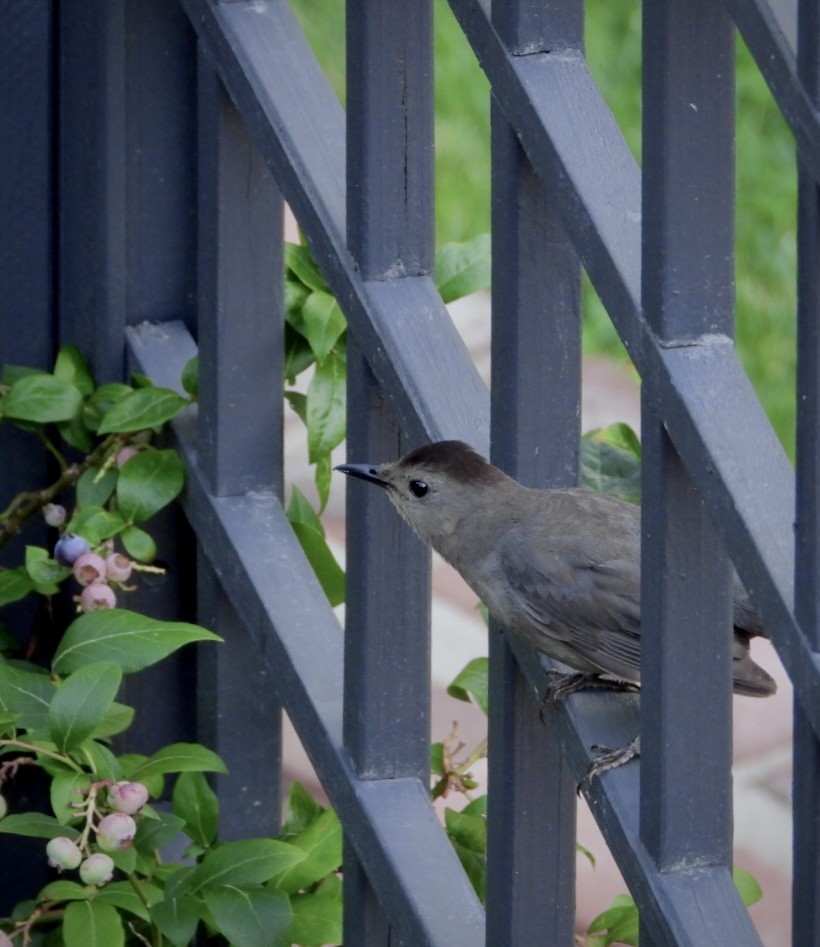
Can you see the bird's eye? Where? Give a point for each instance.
(418, 488)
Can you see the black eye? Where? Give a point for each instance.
(418, 488)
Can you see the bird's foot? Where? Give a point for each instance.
(610, 759)
(563, 684)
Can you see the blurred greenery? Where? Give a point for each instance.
(766, 181)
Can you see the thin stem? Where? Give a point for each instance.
(26, 504)
(137, 886)
(52, 449)
(33, 748)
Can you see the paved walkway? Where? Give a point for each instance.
(762, 728)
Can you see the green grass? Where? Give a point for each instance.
(766, 187)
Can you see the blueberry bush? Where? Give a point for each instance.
(114, 816)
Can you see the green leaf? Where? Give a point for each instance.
(747, 886)
(321, 842)
(72, 367)
(92, 924)
(244, 863)
(27, 693)
(132, 640)
(620, 922)
(14, 585)
(36, 825)
(13, 373)
(177, 918)
(468, 834)
(322, 478)
(251, 917)
(322, 324)
(326, 406)
(95, 524)
(463, 268)
(148, 482)
(195, 802)
(298, 353)
(317, 917)
(301, 264)
(67, 789)
(190, 377)
(610, 468)
(121, 895)
(92, 491)
(101, 401)
(308, 529)
(8, 722)
(43, 399)
(116, 719)
(179, 758)
(298, 401)
(300, 811)
(65, 891)
(295, 295)
(620, 435)
(75, 433)
(43, 570)
(81, 702)
(141, 409)
(155, 834)
(139, 544)
(100, 759)
(471, 684)
(125, 859)
(437, 759)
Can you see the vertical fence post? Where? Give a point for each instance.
(390, 234)
(806, 764)
(126, 253)
(686, 815)
(240, 437)
(535, 430)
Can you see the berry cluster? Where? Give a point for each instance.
(93, 573)
(109, 810)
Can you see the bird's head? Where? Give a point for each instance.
(433, 487)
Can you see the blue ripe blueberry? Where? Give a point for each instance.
(70, 547)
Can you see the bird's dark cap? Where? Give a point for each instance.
(455, 459)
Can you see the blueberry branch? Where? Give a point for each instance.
(26, 504)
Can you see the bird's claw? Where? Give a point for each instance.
(610, 759)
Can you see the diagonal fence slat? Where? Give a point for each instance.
(769, 30)
(297, 125)
(256, 556)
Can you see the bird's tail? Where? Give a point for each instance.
(751, 680)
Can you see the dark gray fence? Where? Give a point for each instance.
(174, 131)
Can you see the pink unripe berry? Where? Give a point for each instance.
(97, 869)
(89, 568)
(117, 567)
(95, 597)
(63, 853)
(125, 455)
(54, 514)
(5, 940)
(127, 797)
(115, 831)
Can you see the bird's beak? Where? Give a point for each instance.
(363, 472)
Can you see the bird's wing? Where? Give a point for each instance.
(565, 600)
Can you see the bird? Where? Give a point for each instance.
(559, 568)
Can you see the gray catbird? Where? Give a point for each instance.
(560, 568)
